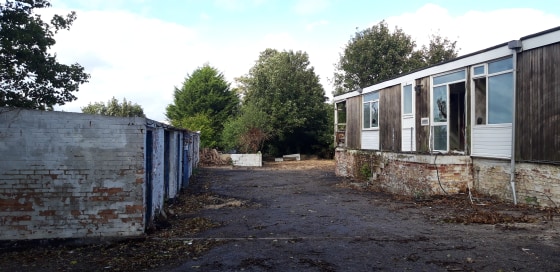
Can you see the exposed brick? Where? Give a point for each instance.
(47, 213)
(134, 209)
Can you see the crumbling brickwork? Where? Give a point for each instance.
(407, 174)
(535, 184)
(69, 175)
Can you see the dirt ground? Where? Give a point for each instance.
(298, 216)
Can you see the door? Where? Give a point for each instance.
(408, 121)
(448, 126)
(148, 177)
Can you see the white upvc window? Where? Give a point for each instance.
(493, 92)
(371, 110)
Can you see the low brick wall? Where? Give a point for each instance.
(70, 175)
(406, 174)
(418, 175)
(535, 184)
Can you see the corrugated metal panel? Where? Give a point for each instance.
(492, 141)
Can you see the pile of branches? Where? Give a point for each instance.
(210, 157)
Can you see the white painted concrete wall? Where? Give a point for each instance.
(247, 159)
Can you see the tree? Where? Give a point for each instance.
(248, 131)
(200, 122)
(204, 92)
(439, 50)
(376, 54)
(114, 108)
(30, 77)
(286, 89)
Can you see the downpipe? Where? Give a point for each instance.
(512, 167)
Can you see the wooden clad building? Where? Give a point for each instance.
(483, 105)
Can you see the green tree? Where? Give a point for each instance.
(377, 54)
(205, 92)
(30, 77)
(439, 50)
(114, 108)
(200, 122)
(248, 131)
(284, 87)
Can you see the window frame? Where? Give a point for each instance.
(370, 102)
(412, 93)
(487, 75)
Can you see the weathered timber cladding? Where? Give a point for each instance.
(538, 104)
(354, 122)
(390, 118)
(422, 110)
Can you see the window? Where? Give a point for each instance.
(371, 110)
(493, 92)
(407, 100)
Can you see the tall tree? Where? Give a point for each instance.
(114, 108)
(204, 92)
(287, 90)
(30, 77)
(377, 54)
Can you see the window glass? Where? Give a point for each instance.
(440, 104)
(341, 112)
(371, 96)
(449, 77)
(480, 101)
(367, 112)
(500, 99)
(479, 70)
(440, 137)
(375, 114)
(500, 65)
(407, 99)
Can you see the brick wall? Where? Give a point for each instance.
(535, 184)
(417, 175)
(407, 174)
(70, 175)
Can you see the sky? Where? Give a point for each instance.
(142, 50)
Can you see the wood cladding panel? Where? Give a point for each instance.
(422, 111)
(538, 104)
(353, 122)
(390, 119)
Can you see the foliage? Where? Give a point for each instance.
(248, 131)
(205, 92)
(199, 122)
(283, 87)
(377, 54)
(31, 77)
(439, 50)
(114, 108)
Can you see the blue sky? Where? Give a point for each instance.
(142, 49)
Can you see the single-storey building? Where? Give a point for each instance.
(74, 175)
(488, 121)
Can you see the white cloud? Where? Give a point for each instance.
(143, 59)
(473, 30)
(129, 56)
